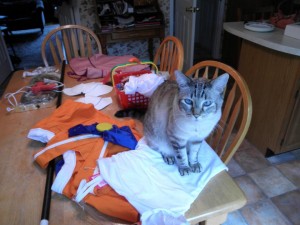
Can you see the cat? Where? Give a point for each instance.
(180, 115)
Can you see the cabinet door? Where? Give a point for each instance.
(292, 136)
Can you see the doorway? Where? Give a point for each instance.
(201, 34)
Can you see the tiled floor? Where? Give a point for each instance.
(271, 185)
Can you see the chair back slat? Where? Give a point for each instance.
(216, 74)
(228, 103)
(66, 44)
(53, 52)
(89, 46)
(74, 46)
(60, 49)
(163, 59)
(229, 128)
(205, 74)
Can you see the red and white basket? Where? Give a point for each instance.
(119, 78)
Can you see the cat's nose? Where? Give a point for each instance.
(196, 115)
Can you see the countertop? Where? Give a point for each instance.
(275, 39)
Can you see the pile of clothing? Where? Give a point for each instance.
(130, 183)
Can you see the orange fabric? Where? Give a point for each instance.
(114, 204)
(87, 152)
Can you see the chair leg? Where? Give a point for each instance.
(215, 220)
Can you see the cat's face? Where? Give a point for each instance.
(200, 97)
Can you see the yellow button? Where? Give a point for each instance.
(103, 126)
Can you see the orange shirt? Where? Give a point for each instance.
(87, 151)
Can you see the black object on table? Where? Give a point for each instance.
(51, 166)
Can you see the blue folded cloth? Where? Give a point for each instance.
(121, 136)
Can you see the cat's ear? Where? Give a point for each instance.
(182, 79)
(219, 84)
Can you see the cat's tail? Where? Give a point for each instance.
(133, 113)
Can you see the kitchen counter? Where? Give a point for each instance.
(275, 40)
(270, 64)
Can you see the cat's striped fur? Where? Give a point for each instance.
(181, 115)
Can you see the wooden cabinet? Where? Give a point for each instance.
(135, 20)
(131, 34)
(273, 78)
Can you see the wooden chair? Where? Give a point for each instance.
(70, 41)
(169, 56)
(237, 108)
(221, 195)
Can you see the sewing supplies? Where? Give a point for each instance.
(39, 93)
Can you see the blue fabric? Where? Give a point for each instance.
(120, 136)
(58, 165)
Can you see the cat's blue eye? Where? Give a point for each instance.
(207, 103)
(188, 101)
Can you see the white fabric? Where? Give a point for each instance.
(98, 102)
(69, 140)
(42, 70)
(162, 216)
(39, 134)
(88, 187)
(89, 89)
(148, 183)
(65, 173)
(145, 84)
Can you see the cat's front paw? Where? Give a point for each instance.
(195, 168)
(184, 170)
(170, 160)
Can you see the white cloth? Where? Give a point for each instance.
(98, 102)
(42, 70)
(93, 89)
(39, 134)
(161, 217)
(148, 183)
(145, 84)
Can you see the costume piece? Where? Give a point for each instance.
(120, 136)
(160, 186)
(80, 154)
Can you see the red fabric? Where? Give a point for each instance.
(280, 20)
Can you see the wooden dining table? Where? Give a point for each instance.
(23, 181)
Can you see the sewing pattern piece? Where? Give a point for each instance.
(93, 89)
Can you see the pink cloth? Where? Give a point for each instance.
(98, 65)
